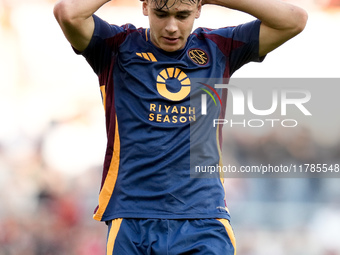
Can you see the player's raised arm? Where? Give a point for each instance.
(281, 21)
(75, 19)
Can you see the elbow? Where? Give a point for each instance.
(63, 13)
(301, 18)
(60, 12)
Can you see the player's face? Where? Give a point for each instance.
(171, 27)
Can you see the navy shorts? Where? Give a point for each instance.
(170, 237)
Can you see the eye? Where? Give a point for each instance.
(160, 15)
(182, 17)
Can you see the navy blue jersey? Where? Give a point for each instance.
(157, 130)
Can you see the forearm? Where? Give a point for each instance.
(77, 9)
(75, 19)
(273, 13)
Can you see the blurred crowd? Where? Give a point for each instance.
(285, 215)
(52, 142)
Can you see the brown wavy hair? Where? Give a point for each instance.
(160, 4)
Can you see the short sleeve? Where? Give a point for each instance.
(246, 37)
(102, 46)
(239, 44)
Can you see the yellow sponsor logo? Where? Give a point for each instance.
(171, 114)
(164, 113)
(173, 73)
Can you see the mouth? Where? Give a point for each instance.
(170, 40)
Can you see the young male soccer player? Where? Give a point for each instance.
(152, 81)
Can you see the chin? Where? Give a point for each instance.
(171, 48)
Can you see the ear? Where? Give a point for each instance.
(145, 8)
(198, 13)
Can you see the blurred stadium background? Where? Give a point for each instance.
(52, 139)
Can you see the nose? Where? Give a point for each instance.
(171, 25)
